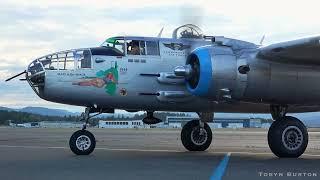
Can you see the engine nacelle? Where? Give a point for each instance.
(213, 72)
(216, 73)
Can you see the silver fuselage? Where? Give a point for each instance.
(147, 82)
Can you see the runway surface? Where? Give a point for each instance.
(137, 154)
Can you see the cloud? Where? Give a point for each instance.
(93, 4)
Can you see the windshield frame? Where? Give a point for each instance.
(114, 41)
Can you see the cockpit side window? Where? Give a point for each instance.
(83, 59)
(67, 60)
(86, 60)
(133, 47)
(136, 47)
(152, 48)
(142, 48)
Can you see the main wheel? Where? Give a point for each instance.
(82, 142)
(288, 137)
(195, 138)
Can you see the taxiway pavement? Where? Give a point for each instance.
(137, 154)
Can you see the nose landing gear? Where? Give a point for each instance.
(83, 142)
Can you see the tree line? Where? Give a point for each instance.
(23, 117)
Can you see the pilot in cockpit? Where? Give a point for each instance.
(133, 48)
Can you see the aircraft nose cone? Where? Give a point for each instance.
(35, 73)
(36, 77)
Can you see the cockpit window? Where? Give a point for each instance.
(188, 31)
(116, 43)
(135, 47)
(152, 48)
(83, 59)
(142, 48)
(66, 60)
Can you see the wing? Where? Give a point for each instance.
(300, 51)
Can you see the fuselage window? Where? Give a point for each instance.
(67, 60)
(83, 58)
(142, 48)
(136, 47)
(152, 48)
(69, 63)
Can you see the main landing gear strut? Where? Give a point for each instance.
(287, 136)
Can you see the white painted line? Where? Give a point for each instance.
(149, 150)
(262, 153)
(108, 149)
(315, 155)
(33, 147)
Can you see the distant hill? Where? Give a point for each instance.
(47, 111)
(23, 117)
(43, 111)
(6, 109)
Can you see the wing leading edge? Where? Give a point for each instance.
(301, 51)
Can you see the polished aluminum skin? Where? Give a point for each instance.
(189, 72)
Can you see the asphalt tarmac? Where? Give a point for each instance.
(138, 154)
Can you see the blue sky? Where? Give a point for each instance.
(30, 29)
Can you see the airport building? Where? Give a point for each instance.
(169, 122)
(49, 124)
(180, 121)
(219, 122)
(60, 124)
(26, 125)
(122, 124)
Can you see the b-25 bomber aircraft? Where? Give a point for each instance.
(189, 72)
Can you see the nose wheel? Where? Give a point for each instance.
(82, 142)
(288, 137)
(196, 137)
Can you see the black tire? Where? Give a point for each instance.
(288, 137)
(189, 134)
(89, 142)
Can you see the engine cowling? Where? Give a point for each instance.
(212, 72)
(216, 73)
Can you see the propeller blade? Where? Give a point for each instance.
(262, 39)
(16, 75)
(191, 14)
(160, 33)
